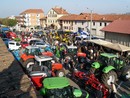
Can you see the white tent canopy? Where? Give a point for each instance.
(114, 46)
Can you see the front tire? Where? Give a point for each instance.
(109, 78)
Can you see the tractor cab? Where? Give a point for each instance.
(109, 67)
(32, 50)
(81, 57)
(48, 65)
(43, 67)
(107, 59)
(72, 49)
(59, 87)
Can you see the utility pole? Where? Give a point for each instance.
(91, 17)
(91, 25)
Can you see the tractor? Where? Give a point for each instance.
(59, 87)
(43, 67)
(27, 57)
(70, 55)
(109, 68)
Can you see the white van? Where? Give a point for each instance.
(13, 45)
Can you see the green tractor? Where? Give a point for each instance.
(59, 87)
(109, 67)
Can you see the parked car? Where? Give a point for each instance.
(11, 35)
(13, 45)
(33, 41)
(41, 44)
(24, 44)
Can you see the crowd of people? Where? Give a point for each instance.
(91, 50)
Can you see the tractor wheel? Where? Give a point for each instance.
(27, 64)
(126, 73)
(92, 70)
(108, 78)
(60, 73)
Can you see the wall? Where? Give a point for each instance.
(123, 39)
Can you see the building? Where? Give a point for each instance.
(118, 32)
(43, 22)
(53, 15)
(83, 20)
(20, 23)
(32, 17)
(20, 20)
(11, 17)
(73, 22)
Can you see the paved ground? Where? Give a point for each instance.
(14, 83)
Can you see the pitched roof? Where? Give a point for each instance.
(73, 17)
(43, 18)
(32, 11)
(60, 10)
(96, 17)
(118, 26)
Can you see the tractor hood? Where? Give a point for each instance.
(55, 82)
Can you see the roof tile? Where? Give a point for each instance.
(118, 26)
(32, 11)
(60, 10)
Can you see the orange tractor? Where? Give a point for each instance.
(28, 55)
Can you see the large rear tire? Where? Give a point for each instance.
(126, 73)
(109, 78)
(28, 63)
(92, 70)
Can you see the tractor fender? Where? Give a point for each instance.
(25, 57)
(108, 68)
(96, 65)
(56, 66)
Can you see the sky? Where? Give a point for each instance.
(15, 7)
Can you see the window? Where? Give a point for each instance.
(82, 23)
(17, 44)
(105, 24)
(93, 23)
(11, 43)
(75, 22)
(100, 24)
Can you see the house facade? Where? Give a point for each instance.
(53, 15)
(83, 20)
(20, 23)
(32, 17)
(118, 32)
(43, 22)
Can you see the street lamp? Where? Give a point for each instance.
(90, 22)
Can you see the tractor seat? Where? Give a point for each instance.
(46, 70)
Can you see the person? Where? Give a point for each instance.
(62, 50)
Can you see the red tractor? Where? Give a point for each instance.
(44, 67)
(89, 82)
(27, 57)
